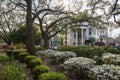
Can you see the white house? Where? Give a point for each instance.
(80, 34)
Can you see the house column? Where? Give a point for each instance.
(87, 34)
(82, 38)
(76, 38)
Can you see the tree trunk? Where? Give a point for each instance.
(29, 28)
(66, 37)
(46, 43)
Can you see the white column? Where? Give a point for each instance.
(87, 34)
(82, 41)
(76, 38)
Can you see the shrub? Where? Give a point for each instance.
(4, 58)
(34, 62)
(79, 66)
(52, 76)
(38, 48)
(84, 51)
(16, 53)
(19, 45)
(40, 70)
(104, 72)
(29, 57)
(114, 51)
(55, 57)
(9, 53)
(5, 46)
(0, 46)
(12, 71)
(22, 56)
(108, 58)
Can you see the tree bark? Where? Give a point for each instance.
(66, 34)
(29, 28)
(46, 43)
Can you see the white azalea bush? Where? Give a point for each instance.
(55, 56)
(86, 69)
(80, 68)
(104, 72)
(77, 68)
(109, 58)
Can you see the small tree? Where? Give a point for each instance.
(92, 40)
(20, 35)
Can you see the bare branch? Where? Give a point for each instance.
(53, 23)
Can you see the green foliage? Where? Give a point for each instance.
(0, 46)
(20, 35)
(22, 56)
(29, 57)
(113, 50)
(84, 51)
(19, 45)
(9, 53)
(81, 16)
(12, 71)
(38, 48)
(4, 58)
(34, 62)
(92, 39)
(16, 53)
(40, 70)
(88, 51)
(52, 76)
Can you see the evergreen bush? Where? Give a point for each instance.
(40, 70)
(9, 53)
(38, 48)
(29, 57)
(88, 51)
(16, 53)
(22, 56)
(52, 76)
(34, 62)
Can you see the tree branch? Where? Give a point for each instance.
(53, 23)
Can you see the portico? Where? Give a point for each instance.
(81, 36)
(78, 36)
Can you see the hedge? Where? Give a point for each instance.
(88, 51)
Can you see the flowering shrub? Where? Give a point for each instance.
(88, 69)
(79, 66)
(79, 62)
(56, 56)
(109, 58)
(104, 72)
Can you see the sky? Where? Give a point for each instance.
(115, 33)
